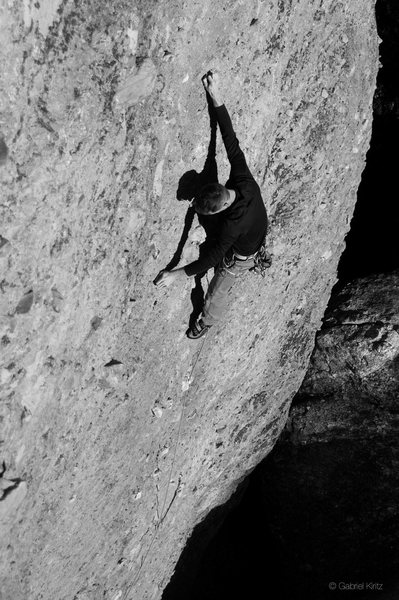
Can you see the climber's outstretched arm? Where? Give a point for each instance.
(239, 167)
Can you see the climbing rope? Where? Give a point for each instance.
(162, 515)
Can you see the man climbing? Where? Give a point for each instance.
(236, 212)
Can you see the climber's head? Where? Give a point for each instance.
(213, 198)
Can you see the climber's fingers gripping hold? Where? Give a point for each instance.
(205, 82)
(210, 80)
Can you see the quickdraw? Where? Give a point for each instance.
(262, 260)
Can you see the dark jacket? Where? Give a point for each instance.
(243, 225)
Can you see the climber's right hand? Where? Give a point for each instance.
(210, 81)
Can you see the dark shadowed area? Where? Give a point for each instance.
(373, 241)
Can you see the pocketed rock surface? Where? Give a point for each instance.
(118, 436)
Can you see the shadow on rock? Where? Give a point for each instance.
(190, 184)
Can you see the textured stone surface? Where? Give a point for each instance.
(103, 113)
(354, 371)
(331, 483)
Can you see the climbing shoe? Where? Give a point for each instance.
(197, 330)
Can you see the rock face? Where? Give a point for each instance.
(331, 484)
(119, 435)
(354, 369)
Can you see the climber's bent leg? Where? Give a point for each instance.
(219, 290)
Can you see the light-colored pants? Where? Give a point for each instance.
(220, 286)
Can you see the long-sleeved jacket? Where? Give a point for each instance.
(243, 225)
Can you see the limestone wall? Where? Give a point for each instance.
(103, 113)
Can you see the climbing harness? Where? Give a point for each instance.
(163, 512)
(243, 258)
(262, 260)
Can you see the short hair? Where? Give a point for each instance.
(210, 199)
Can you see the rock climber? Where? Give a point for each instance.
(240, 216)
